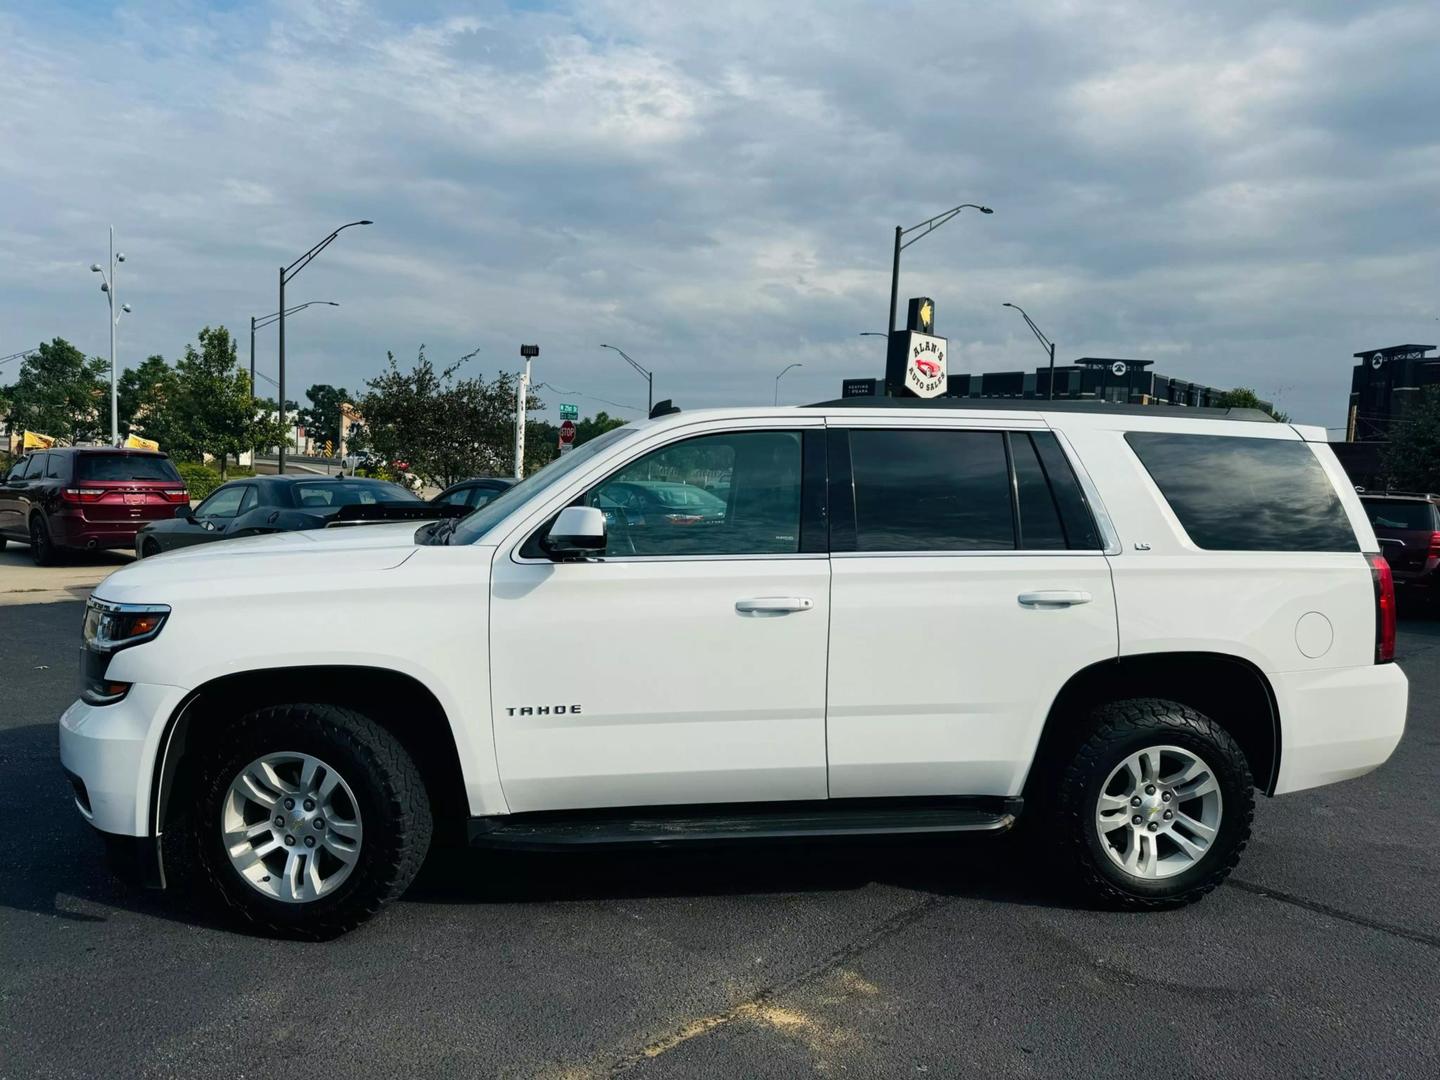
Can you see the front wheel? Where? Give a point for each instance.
(310, 819)
(1154, 806)
(149, 548)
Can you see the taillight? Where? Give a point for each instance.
(82, 495)
(177, 495)
(1384, 609)
(1434, 544)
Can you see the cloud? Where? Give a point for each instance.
(1242, 192)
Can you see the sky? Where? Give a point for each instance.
(1244, 193)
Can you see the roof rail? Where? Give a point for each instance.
(1406, 494)
(1045, 405)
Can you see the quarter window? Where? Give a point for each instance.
(732, 494)
(1245, 494)
(931, 491)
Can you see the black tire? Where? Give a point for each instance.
(148, 548)
(390, 797)
(3, 542)
(42, 549)
(1115, 731)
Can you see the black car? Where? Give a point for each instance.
(1408, 528)
(268, 504)
(475, 492)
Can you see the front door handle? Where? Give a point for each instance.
(1054, 598)
(774, 605)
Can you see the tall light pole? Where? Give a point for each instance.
(1045, 341)
(107, 286)
(287, 273)
(929, 225)
(649, 376)
(529, 352)
(786, 368)
(264, 321)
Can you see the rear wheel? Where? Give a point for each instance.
(42, 548)
(1154, 806)
(310, 818)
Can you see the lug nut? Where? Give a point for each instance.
(1135, 820)
(1152, 826)
(1165, 796)
(1135, 801)
(289, 804)
(279, 821)
(1169, 814)
(1149, 789)
(289, 841)
(319, 822)
(309, 804)
(309, 841)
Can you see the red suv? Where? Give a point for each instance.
(1408, 528)
(83, 498)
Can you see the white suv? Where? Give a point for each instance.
(836, 619)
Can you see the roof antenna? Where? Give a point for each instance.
(664, 408)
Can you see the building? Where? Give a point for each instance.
(1383, 385)
(1102, 378)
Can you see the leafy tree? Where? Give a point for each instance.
(1242, 397)
(61, 393)
(215, 414)
(148, 397)
(1411, 458)
(322, 418)
(443, 427)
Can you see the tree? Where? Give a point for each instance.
(1242, 397)
(149, 396)
(1411, 458)
(215, 414)
(322, 418)
(444, 428)
(61, 393)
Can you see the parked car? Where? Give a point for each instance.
(1408, 528)
(270, 504)
(475, 492)
(1117, 622)
(67, 499)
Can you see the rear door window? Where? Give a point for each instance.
(125, 467)
(919, 490)
(35, 468)
(1233, 493)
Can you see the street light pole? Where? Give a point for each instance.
(286, 274)
(929, 225)
(649, 376)
(107, 286)
(1044, 341)
(780, 376)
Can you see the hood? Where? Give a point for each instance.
(306, 554)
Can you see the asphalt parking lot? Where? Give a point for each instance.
(1320, 958)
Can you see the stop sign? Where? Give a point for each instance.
(567, 431)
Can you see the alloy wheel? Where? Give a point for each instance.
(1159, 811)
(291, 827)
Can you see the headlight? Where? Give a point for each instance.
(109, 628)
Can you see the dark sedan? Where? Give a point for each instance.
(475, 492)
(268, 504)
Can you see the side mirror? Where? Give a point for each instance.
(187, 512)
(578, 532)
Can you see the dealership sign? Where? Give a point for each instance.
(925, 365)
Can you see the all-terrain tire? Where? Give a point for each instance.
(389, 795)
(1114, 732)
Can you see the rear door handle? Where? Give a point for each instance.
(774, 605)
(1054, 598)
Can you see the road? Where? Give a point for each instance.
(1320, 958)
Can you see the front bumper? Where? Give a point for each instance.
(111, 749)
(1338, 724)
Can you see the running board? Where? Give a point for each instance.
(775, 821)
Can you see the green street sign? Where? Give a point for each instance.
(569, 412)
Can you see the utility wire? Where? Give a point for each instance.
(591, 397)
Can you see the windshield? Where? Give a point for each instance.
(323, 493)
(483, 520)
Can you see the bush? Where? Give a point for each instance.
(201, 480)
